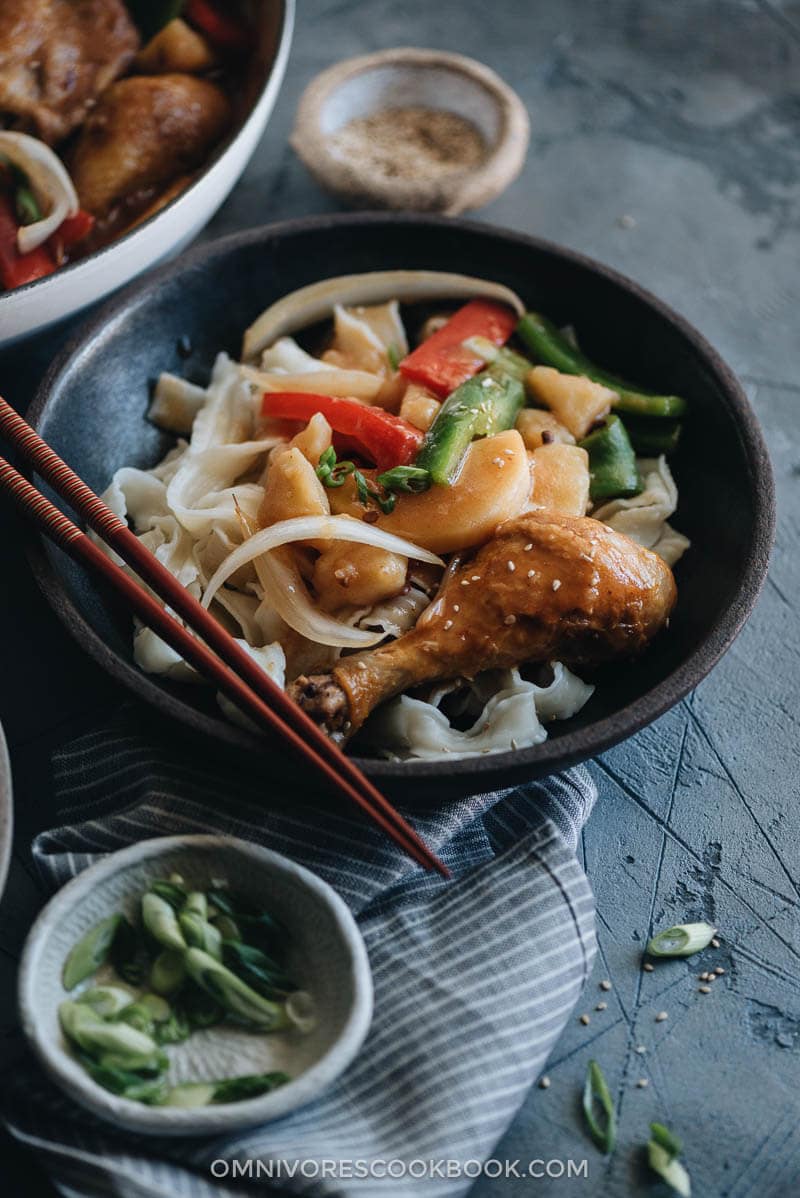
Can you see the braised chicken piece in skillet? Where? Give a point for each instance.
(544, 587)
(56, 57)
(145, 132)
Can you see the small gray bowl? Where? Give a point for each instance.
(328, 958)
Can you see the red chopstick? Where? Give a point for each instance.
(237, 675)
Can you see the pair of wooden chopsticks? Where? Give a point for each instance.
(229, 666)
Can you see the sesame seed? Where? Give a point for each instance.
(601, 1006)
(529, 546)
(605, 984)
(719, 971)
(712, 977)
(556, 583)
(585, 1020)
(362, 665)
(510, 567)
(704, 989)
(510, 619)
(499, 462)
(544, 1083)
(642, 1083)
(531, 574)
(448, 624)
(509, 453)
(290, 589)
(476, 577)
(703, 977)
(465, 582)
(661, 1016)
(647, 967)
(456, 607)
(715, 943)
(640, 1048)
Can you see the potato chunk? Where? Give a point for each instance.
(419, 407)
(349, 575)
(176, 47)
(538, 427)
(494, 485)
(291, 488)
(561, 479)
(572, 398)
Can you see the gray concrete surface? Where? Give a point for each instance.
(684, 117)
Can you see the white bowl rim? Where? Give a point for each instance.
(265, 98)
(64, 1070)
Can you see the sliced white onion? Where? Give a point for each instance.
(317, 301)
(285, 590)
(51, 185)
(283, 586)
(354, 384)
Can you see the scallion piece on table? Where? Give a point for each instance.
(595, 1090)
(551, 347)
(663, 1136)
(681, 941)
(662, 1153)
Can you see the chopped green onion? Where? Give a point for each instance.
(330, 472)
(365, 492)
(595, 1087)
(681, 941)
(669, 1169)
(393, 354)
(411, 479)
(663, 1136)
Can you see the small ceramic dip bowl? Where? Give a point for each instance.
(375, 165)
(327, 959)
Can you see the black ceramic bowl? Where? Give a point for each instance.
(91, 408)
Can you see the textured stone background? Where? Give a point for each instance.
(684, 116)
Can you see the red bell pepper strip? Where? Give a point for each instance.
(74, 228)
(16, 269)
(444, 362)
(382, 438)
(218, 26)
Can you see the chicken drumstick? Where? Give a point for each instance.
(546, 587)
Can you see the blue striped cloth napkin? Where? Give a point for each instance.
(474, 978)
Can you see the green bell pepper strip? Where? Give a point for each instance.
(478, 408)
(552, 348)
(612, 462)
(652, 436)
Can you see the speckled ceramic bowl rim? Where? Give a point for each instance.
(6, 811)
(468, 775)
(64, 1070)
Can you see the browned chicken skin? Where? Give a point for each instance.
(56, 56)
(144, 132)
(545, 587)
